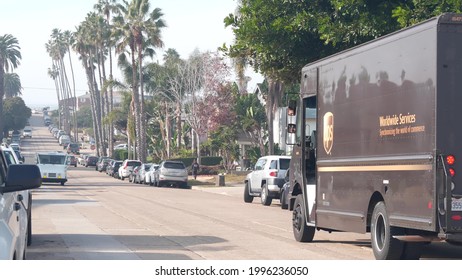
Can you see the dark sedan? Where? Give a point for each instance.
(91, 161)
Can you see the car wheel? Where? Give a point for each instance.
(284, 204)
(247, 197)
(302, 232)
(29, 222)
(265, 196)
(62, 183)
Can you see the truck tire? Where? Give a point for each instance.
(302, 232)
(247, 197)
(384, 246)
(265, 196)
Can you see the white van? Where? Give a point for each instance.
(15, 202)
(53, 167)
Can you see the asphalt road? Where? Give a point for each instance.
(97, 217)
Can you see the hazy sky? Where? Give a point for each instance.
(191, 24)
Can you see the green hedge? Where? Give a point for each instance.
(120, 154)
(207, 161)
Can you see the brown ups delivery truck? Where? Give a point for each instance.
(382, 153)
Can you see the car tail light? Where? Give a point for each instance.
(273, 174)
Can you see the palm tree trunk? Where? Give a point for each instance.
(136, 102)
(142, 134)
(76, 130)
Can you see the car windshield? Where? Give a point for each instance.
(147, 166)
(133, 163)
(52, 159)
(174, 165)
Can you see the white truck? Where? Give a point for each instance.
(53, 167)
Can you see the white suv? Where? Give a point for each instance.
(266, 179)
(127, 167)
(15, 209)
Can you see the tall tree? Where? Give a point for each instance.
(277, 40)
(12, 84)
(107, 8)
(139, 29)
(10, 57)
(15, 114)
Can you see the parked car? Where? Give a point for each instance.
(15, 146)
(121, 147)
(19, 156)
(171, 173)
(134, 174)
(81, 159)
(72, 160)
(73, 148)
(16, 137)
(141, 174)
(27, 132)
(149, 175)
(91, 161)
(102, 165)
(267, 179)
(99, 163)
(113, 169)
(53, 167)
(126, 168)
(109, 165)
(15, 209)
(284, 197)
(64, 140)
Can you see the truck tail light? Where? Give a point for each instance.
(273, 174)
(450, 160)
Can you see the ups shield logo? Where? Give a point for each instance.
(328, 132)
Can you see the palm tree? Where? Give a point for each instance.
(12, 84)
(139, 30)
(9, 59)
(105, 8)
(53, 73)
(85, 45)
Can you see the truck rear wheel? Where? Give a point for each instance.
(302, 232)
(265, 196)
(247, 197)
(384, 246)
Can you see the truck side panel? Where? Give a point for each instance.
(376, 132)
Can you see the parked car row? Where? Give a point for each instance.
(167, 173)
(64, 140)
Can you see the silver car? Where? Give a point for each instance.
(171, 173)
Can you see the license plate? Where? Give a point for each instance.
(456, 204)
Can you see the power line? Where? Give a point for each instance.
(53, 89)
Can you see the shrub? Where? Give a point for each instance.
(120, 154)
